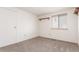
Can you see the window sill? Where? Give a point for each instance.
(59, 28)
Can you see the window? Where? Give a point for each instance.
(55, 22)
(59, 21)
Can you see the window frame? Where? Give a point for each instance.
(59, 22)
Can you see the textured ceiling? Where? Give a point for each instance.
(42, 10)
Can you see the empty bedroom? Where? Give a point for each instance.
(39, 29)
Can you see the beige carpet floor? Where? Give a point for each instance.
(41, 44)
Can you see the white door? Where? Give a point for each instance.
(7, 27)
(21, 27)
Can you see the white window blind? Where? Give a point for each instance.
(62, 21)
(55, 22)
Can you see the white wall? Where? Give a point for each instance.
(25, 22)
(69, 35)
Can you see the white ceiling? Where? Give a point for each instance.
(42, 10)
